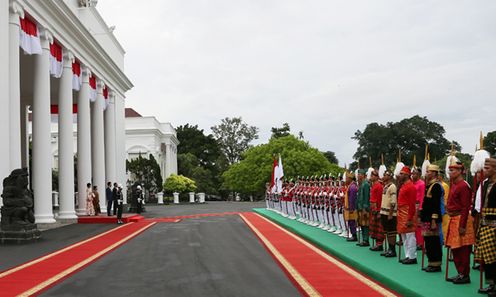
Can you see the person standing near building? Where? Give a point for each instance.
(406, 216)
(363, 207)
(118, 198)
(139, 199)
(431, 219)
(114, 197)
(90, 210)
(96, 201)
(460, 236)
(109, 197)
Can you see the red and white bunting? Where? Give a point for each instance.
(29, 38)
(93, 88)
(106, 97)
(56, 59)
(77, 79)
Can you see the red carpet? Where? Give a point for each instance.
(40, 274)
(104, 219)
(314, 272)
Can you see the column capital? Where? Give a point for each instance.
(85, 73)
(46, 37)
(16, 10)
(68, 58)
(100, 84)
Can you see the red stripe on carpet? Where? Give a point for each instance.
(40, 274)
(314, 274)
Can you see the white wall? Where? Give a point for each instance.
(120, 143)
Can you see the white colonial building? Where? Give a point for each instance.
(144, 135)
(60, 54)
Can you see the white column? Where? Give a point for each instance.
(98, 144)
(66, 156)
(168, 160)
(110, 146)
(42, 156)
(24, 136)
(14, 87)
(83, 140)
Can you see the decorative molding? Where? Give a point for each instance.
(16, 8)
(68, 57)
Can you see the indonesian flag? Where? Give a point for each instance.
(105, 96)
(29, 39)
(272, 180)
(56, 59)
(278, 174)
(77, 79)
(92, 88)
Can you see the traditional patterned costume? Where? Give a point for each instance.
(486, 235)
(350, 200)
(389, 206)
(363, 207)
(431, 212)
(406, 218)
(376, 230)
(460, 198)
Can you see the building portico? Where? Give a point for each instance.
(59, 58)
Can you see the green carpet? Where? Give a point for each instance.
(407, 280)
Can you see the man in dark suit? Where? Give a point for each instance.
(109, 197)
(114, 197)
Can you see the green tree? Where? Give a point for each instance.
(408, 135)
(490, 142)
(254, 170)
(331, 157)
(280, 132)
(146, 172)
(179, 184)
(200, 158)
(234, 137)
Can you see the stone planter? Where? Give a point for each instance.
(201, 197)
(55, 199)
(176, 197)
(191, 197)
(160, 197)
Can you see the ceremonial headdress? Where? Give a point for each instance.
(433, 167)
(406, 170)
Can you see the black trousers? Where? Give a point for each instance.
(119, 212)
(114, 202)
(434, 250)
(490, 273)
(109, 207)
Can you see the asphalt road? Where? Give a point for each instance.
(157, 211)
(211, 256)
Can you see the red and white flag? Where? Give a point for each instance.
(76, 76)
(106, 97)
(93, 88)
(277, 175)
(56, 59)
(29, 37)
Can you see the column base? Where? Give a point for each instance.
(44, 219)
(81, 211)
(67, 215)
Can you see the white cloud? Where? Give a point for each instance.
(326, 67)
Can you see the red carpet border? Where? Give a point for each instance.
(314, 272)
(38, 275)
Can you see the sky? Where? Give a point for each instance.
(328, 68)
